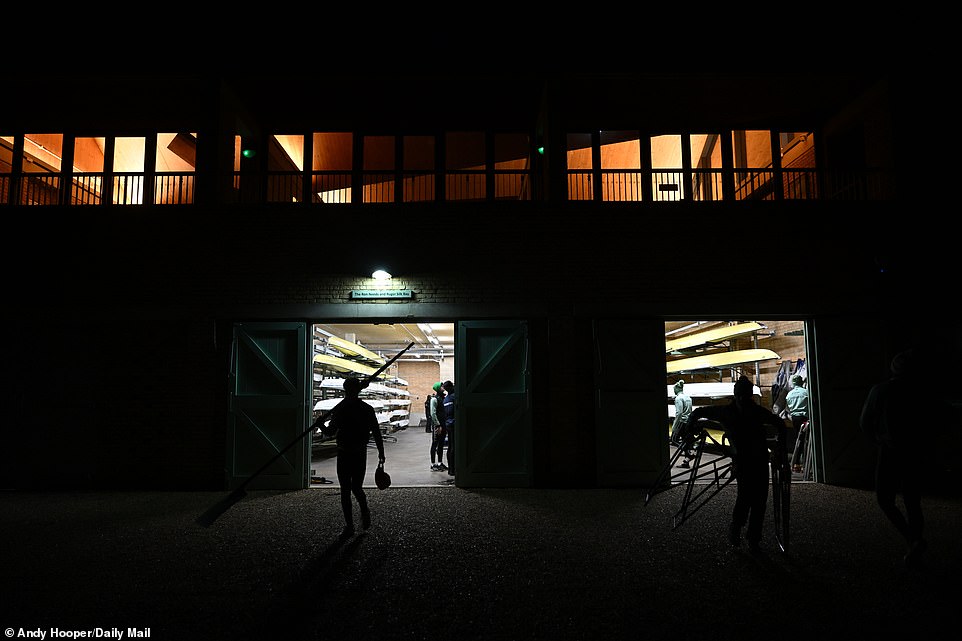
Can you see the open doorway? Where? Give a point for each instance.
(704, 358)
(398, 395)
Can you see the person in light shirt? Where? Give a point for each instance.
(796, 404)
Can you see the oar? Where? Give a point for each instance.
(207, 518)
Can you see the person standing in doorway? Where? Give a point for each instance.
(449, 403)
(354, 423)
(745, 426)
(682, 415)
(796, 404)
(436, 420)
(682, 412)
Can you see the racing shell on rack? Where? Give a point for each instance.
(721, 359)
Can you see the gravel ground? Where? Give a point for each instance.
(444, 563)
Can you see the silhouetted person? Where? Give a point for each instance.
(436, 421)
(354, 422)
(449, 401)
(744, 422)
(894, 417)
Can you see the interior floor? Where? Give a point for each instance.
(407, 454)
(408, 461)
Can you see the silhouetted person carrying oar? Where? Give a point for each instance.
(353, 423)
(744, 423)
(215, 511)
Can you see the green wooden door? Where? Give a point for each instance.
(842, 368)
(268, 405)
(631, 407)
(493, 442)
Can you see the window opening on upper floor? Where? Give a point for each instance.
(129, 154)
(751, 149)
(705, 151)
(579, 163)
(175, 164)
(128, 170)
(6, 167)
(706, 163)
(418, 164)
(512, 164)
(752, 160)
(176, 152)
(465, 166)
(797, 151)
(333, 158)
(41, 166)
(667, 177)
(788, 139)
(42, 153)
(88, 160)
(88, 154)
(379, 153)
(238, 154)
(285, 167)
(620, 166)
(6, 154)
(379, 162)
(286, 154)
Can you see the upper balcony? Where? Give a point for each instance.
(343, 168)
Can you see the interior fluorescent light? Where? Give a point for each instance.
(380, 274)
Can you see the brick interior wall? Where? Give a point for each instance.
(420, 375)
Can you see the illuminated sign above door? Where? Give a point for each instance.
(393, 294)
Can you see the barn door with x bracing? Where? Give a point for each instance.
(493, 413)
(268, 405)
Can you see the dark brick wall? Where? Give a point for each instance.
(123, 323)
